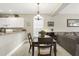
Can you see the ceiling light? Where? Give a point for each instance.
(10, 10)
(1, 10)
(38, 17)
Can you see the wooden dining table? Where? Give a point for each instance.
(35, 44)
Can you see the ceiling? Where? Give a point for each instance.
(27, 8)
(44, 8)
(72, 8)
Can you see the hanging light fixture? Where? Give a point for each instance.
(38, 17)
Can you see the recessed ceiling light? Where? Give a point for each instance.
(10, 10)
(1, 10)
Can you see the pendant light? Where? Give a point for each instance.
(38, 17)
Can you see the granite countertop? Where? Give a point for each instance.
(12, 31)
(1, 33)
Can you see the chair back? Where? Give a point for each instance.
(52, 34)
(44, 43)
(43, 40)
(30, 38)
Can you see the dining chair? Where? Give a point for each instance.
(54, 38)
(44, 43)
(30, 41)
(52, 34)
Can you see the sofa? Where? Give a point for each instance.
(69, 41)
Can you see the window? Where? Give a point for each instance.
(37, 26)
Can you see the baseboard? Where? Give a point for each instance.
(13, 51)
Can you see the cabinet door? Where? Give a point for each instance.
(11, 22)
(15, 22)
(3, 22)
(19, 22)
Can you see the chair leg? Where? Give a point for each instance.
(38, 51)
(29, 48)
(50, 50)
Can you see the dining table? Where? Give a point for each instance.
(35, 42)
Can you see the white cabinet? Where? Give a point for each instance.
(3, 22)
(11, 22)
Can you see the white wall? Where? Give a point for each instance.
(28, 22)
(46, 19)
(61, 23)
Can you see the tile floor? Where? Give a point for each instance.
(23, 51)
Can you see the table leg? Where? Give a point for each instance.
(55, 51)
(32, 49)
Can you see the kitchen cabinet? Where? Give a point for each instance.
(3, 22)
(12, 22)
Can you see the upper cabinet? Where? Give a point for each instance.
(12, 22)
